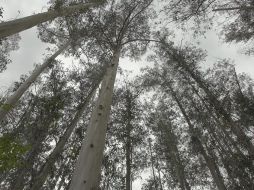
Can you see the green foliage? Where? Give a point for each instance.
(6, 107)
(11, 150)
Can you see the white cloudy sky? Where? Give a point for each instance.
(32, 49)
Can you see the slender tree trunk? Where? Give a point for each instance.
(128, 152)
(221, 125)
(213, 168)
(237, 130)
(159, 174)
(152, 162)
(171, 146)
(46, 168)
(88, 167)
(238, 84)
(18, 25)
(210, 162)
(13, 99)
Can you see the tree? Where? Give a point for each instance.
(11, 101)
(183, 62)
(40, 178)
(126, 131)
(6, 46)
(238, 15)
(166, 77)
(126, 25)
(11, 27)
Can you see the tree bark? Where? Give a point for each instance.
(171, 145)
(227, 139)
(236, 129)
(218, 179)
(159, 174)
(46, 168)
(152, 162)
(128, 145)
(87, 171)
(18, 25)
(210, 163)
(13, 99)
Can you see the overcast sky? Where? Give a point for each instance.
(32, 49)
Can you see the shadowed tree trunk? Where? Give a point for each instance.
(18, 25)
(152, 162)
(172, 152)
(128, 145)
(236, 129)
(209, 161)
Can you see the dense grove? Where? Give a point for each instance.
(92, 125)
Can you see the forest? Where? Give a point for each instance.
(179, 123)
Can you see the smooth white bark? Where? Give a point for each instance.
(18, 25)
(88, 167)
(14, 98)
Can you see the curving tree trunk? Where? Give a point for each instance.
(14, 98)
(88, 167)
(42, 175)
(18, 25)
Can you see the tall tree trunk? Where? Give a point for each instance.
(128, 150)
(236, 129)
(46, 168)
(153, 170)
(218, 179)
(159, 173)
(13, 99)
(238, 84)
(221, 125)
(88, 166)
(171, 146)
(18, 25)
(210, 162)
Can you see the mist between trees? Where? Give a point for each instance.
(89, 125)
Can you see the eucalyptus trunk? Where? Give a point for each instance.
(128, 153)
(18, 25)
(170, 141)
(14, 98)
(88, 167)
(153, 170)
(225, 116)
(214, 170)
(42, 175)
